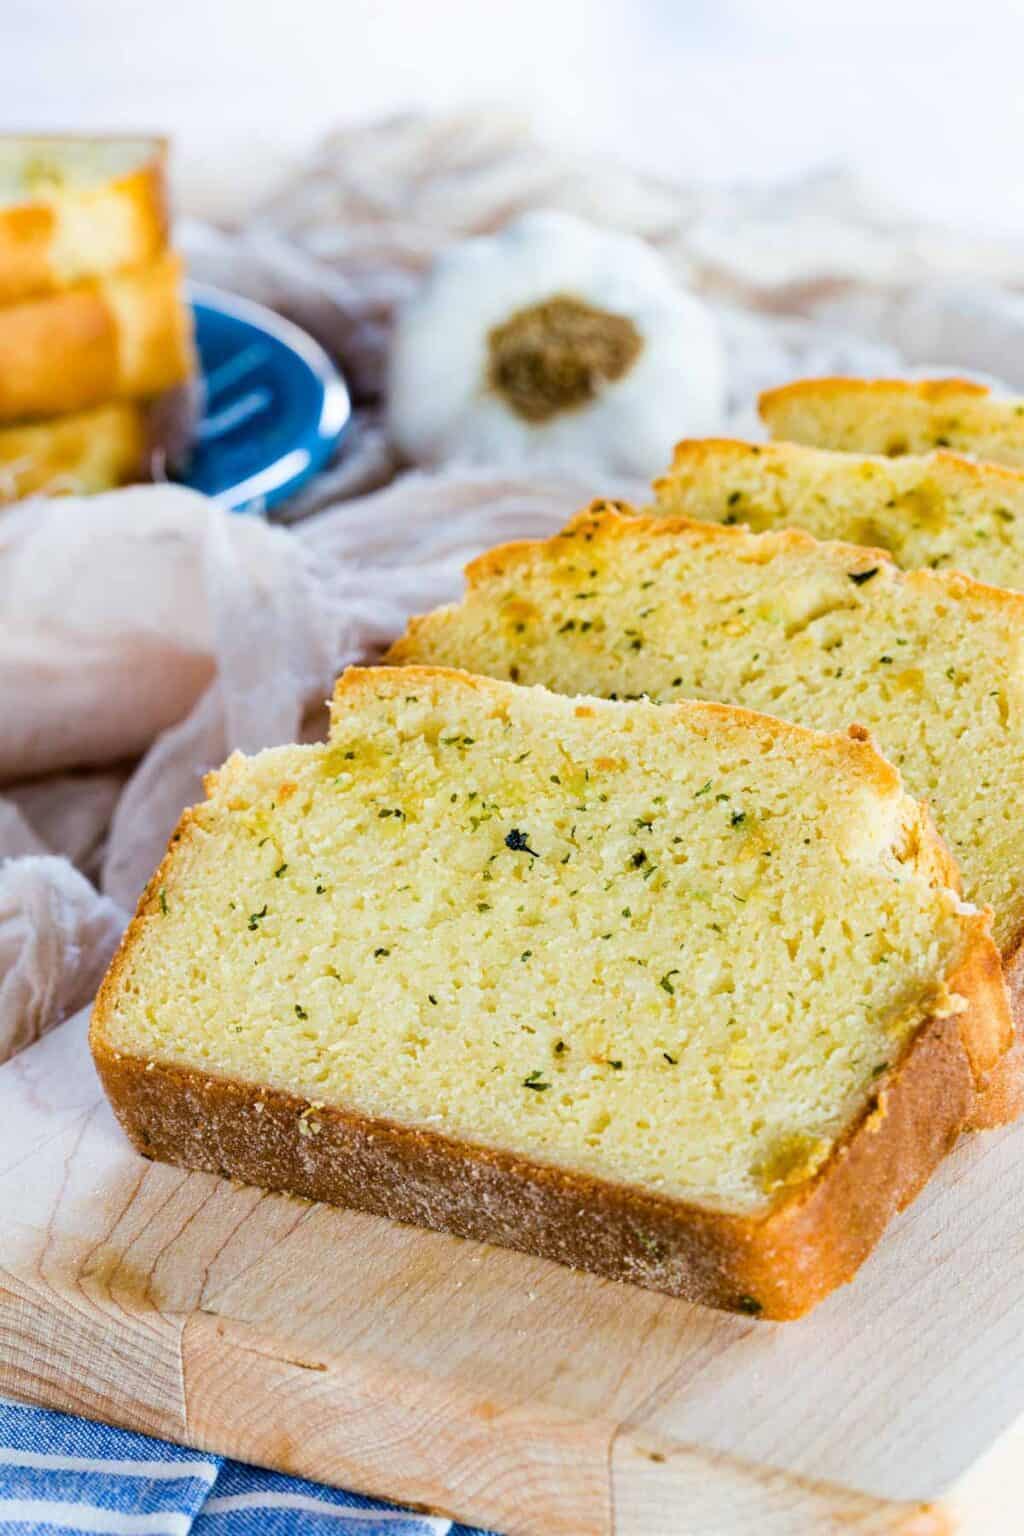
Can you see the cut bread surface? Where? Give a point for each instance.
(827, 634)
(77, 208)
(936, 509)
(897, 416)
(678, 950)
(126, 336)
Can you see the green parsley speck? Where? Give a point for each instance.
(519, 842)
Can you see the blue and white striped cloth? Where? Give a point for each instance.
(60, 1474)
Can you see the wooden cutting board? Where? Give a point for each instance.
(501, 1389)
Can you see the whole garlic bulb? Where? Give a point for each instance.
(553, 344)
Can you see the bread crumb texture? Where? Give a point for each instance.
(935, 510)
(826, 634)
(897, 416)
(676, 948)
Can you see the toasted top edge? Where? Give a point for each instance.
(933, 662)
(934, 391)
(950, 465)
(854, 747)
(897, 417)
(937, 509)
(611, 520)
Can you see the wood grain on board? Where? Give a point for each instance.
(502, 1389)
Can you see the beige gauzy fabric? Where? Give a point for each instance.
(148, 621)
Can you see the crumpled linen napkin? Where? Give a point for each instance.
(56, 937)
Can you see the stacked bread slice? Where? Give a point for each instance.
(601, 927)
(94, 327)
(937, 510)
(897, 416)
(825, 634)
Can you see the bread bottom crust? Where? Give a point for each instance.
(1002, 1098)
(773, 1265)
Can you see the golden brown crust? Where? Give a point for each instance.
(1002, 1100)
(932, 391)
(611, 520)
(776, 1266)
(855, 746)
(29, 231)
(123, 337)
(898, 416)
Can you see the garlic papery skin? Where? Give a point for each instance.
(553, 344)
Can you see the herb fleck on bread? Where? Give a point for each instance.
(896, 416)
(936, 509)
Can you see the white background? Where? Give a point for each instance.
(926, 99)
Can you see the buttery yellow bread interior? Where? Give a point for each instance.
(896, 416)
(510, 963)
(936, 509)
(74, 208)
(826, 634)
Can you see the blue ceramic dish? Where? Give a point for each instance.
(274, 406)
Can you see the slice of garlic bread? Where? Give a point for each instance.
(895, 416)
(683, 995)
